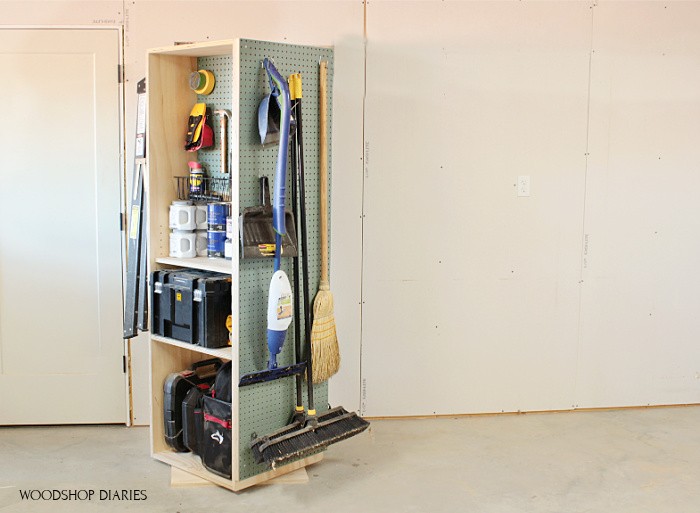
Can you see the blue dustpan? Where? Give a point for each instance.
(269, 118)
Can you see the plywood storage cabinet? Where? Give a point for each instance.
(241, 83)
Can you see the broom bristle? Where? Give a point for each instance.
(324, 341)
(333, 426)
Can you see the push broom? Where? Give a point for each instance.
(310, 433)
(324, 341)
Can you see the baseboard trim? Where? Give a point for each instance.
(531, 412)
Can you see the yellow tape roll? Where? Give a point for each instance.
(202, 81)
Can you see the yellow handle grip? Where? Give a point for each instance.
(294, 86)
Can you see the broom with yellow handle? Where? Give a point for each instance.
(324, 342)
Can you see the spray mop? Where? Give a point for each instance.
(280, 299)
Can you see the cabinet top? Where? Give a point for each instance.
(202, 49)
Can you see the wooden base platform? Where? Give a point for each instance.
(181, 479)
(187, 470)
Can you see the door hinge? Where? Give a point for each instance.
(122, 221)
(124, 363)
(120, 73)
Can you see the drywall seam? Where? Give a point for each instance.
(363, 389)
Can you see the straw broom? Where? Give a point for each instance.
(324, 341)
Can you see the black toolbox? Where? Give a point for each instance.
(191, 306)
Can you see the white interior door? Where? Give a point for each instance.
(60, 249)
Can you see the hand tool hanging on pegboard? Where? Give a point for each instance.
(135, 300)
(224, 117)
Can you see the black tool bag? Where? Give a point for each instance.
(193, 420)
(175, 388)
(191, 306)
(221, 388)
(215, 447)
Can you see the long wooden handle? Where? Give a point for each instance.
(224, 149)
(323, 169)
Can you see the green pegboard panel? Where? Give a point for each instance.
(266, 407)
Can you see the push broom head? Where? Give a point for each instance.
(299, 441)
(324, 341)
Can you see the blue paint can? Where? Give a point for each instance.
(216, 216)
(216, 243)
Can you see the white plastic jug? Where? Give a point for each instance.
(182, 244)
(201, 243)
(201, 217)
(182, 215)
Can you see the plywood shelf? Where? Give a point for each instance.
(224, 353)
(217, 265)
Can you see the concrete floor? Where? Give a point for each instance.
(607, 461)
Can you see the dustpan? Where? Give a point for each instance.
(269, 118)
(257, 231)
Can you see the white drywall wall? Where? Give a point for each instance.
(471, 292)
(641, 289)
(477, 300)
(62, 12)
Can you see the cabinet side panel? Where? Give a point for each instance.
(169, 105)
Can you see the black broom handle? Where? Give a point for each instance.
(305, 260)
(297, 309)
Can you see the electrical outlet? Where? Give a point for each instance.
(523, 186)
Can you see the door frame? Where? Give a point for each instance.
(128, 399)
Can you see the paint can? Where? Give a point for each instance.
(182, 215)
(216, 216)
(182, 244)
(229, 227)
(216, 243)
(228, 245)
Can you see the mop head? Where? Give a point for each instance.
(324, 341)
